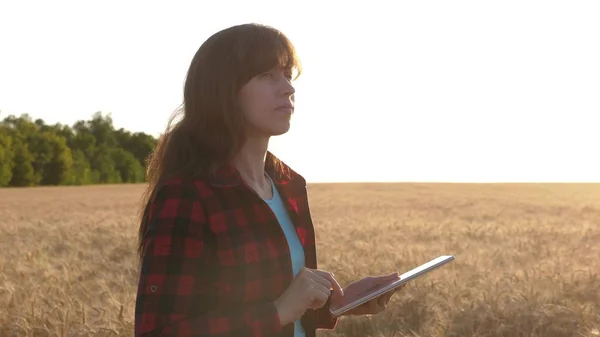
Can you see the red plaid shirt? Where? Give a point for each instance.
(215, 259)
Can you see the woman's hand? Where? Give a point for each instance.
(310, 289)
(364, 285)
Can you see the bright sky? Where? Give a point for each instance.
(455, 91)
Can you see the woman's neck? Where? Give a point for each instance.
(250, 162)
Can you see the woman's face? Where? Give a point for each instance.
(267, 102)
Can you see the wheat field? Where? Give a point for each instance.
(527, 257)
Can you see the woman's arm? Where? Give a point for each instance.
(174, 294)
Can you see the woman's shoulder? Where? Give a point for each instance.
(185, 185)
(282, 171)
(223, 178)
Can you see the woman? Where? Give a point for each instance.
(226, 240)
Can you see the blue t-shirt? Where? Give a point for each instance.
(296, 250)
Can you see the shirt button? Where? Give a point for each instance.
(153, 288)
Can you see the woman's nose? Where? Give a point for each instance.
(287, 87)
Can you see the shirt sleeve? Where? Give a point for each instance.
(175, 297)
(324, 319)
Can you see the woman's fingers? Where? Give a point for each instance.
(337, 288)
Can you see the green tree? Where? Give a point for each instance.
(57, 168)
(23, 173)
(7, 156)
(33, 152)
(81, 171)
(139, 144)
(103, 166)
(128, 166)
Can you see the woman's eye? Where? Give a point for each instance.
(287, 75)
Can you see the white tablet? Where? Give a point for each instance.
(384, 288)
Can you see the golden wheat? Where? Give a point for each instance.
(528, 257)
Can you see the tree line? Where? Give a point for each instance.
(33, 153)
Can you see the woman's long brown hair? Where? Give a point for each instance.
(211, 128)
